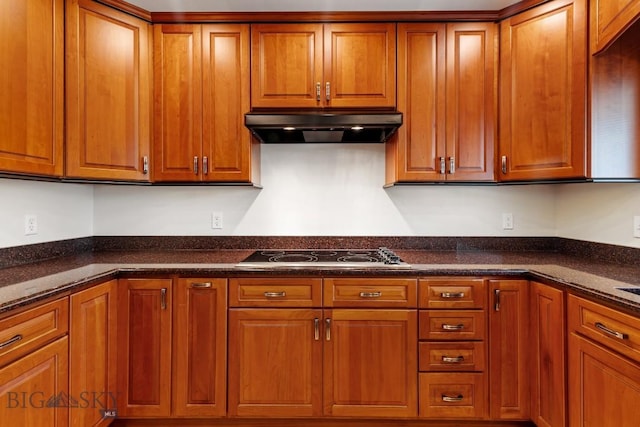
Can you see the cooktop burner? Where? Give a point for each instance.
(310, 258)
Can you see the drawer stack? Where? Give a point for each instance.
(451, 351)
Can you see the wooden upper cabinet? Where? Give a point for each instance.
(201, 96)
(32, 87)
(543, 93)
(108, 93)
(323, 65)
(447, 93)
(609, 19)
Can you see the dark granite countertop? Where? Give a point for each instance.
(28, 283)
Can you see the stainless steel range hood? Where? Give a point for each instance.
(322, 127)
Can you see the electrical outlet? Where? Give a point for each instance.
(30, 225)
(507, 221)
(636, 226)
(216, 220)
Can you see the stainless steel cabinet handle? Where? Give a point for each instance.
(328, 91)
(205, 165)
(195, 165)
(10, 341)
(452, 165)
(442, 166)
(504, 165)
(201, 285)
(448, 359)
(457, 398)
(608, 331)
(318, 91)
(496, 298)
(145, 165)
(316, 329)
(163, 298)
(327, 329)
(447, 327)
(376, 294)
(280, 294)
(452, 295)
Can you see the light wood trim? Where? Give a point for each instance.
(430, 293)
(431, 325)
(394, 292)
(609, 19)
(128, 8)
(299, 292)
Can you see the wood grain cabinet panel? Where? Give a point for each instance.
(453, 395)
(32, 87)
(543, 93)
(108, 93)
(609, 19)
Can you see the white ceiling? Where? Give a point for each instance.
(317, 5)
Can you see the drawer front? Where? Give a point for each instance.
(453, 395)
(616, 330)
(451, 356)
(362, 292)
(272, 292)
(452, 293)
(24, 332)
(460, 325)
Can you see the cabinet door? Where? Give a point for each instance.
(604, 388)
(108, 88)
(225, 83)
(200, 348)
(609, 19)
(32, 86)
(543, 92)
(414, 155)
(178, 102)
(360, 65)
(471, 101)
(548, 390)
(508, 350)
(370, 363)
(144, 347)
(34, 389)
(286, 65)
(93, 354)
(275, 363)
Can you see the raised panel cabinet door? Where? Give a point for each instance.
(177, 66)
(32, 87)
(604, 387)
(543, 93)
(414, 154)
(370, 363)
(34, 388)
(275, 363)
(225, 85)
(93, 354)
(360, 65)
(144, 347)
(286, 65)
(509, 376)
(471, 101)
(609, 19)
(200, 348)
(548, 370)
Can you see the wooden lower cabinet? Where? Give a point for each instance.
(453, 395)
(93, 354)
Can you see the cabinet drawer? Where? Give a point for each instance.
(275, 292)
(370, 292)
(616, 330)
(24, 332)
(452, 293)
(443, 325)
(452, 395)
(451, 356)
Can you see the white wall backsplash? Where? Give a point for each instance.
(326, 190)
(64, 211)
(598, 212)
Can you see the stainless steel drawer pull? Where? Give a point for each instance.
(318, 91)
(442, 165)
(201, 285)
(504, 165)
(457, 398)
(280, 294)
(447, 327)
(452, 165)
(163, 298)
(145, 165)
(328, 91)
(316, 329)
(619, 335)
(195, 165)
(327, 329)
(205, 165)
(496, 300)
(376, 294)
(452, 295)
(447, 359)
(10, 341)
